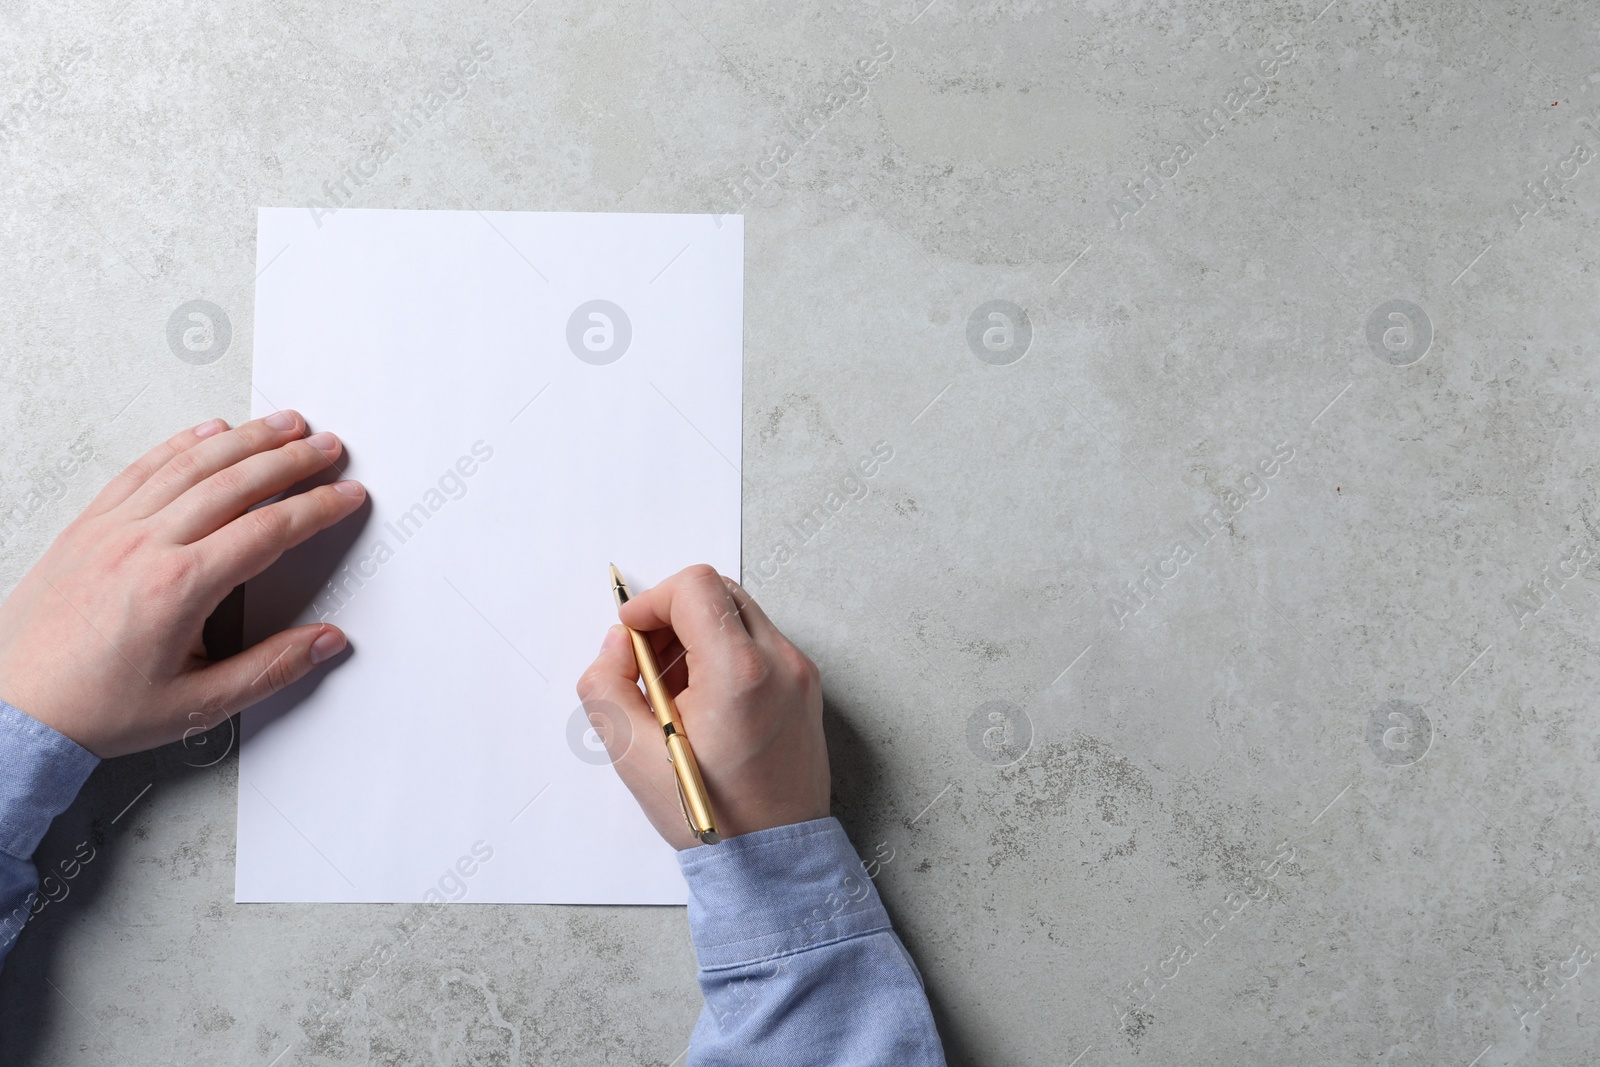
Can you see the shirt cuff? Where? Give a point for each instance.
(41, 772)
(776, 892)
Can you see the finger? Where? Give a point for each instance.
(670, 658)
(139, 471)
(622, 717)
(217, 452)
(699, 608)
(609, 688)
(227, 687)
(755, 620)
(769, 637)
(253, 542)
(231, 492)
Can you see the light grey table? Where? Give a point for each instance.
(1316, 788)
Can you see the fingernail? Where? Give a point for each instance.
(206, 429)
(324, 442)
(281, 420)
(351, 488)
(329, 644)
(612, 638)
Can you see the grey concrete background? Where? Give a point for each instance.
(1218, 847)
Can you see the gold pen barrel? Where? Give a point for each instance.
(655, 689)
(696, 801)
(691, 787)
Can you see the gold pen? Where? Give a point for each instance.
(692, 796)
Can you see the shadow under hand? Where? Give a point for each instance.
(306, 574)
(863, 803)
(77, 858)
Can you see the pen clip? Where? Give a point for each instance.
(683, 804)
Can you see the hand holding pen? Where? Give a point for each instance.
(749, 700)
(698, 813)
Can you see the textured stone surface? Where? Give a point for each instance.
(1092, 899)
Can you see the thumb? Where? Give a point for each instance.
(231, 685)
(610, 693)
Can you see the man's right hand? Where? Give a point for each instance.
(751, 704)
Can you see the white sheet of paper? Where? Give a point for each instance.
(504, 473)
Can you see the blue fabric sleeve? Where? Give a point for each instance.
(40, 773)
(798, 961)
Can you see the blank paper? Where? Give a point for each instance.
(527, 397)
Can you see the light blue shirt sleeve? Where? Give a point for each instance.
(41, 772)
(798, 961)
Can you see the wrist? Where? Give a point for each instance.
(773, 817)
(23, 700)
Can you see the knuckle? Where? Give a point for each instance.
(229, 481)
(811, 666)
(796, 665)
(158, 457)
(271, 523)
(302, 453)
(331, 505)
(811, 681)
(257, 434)
(701, 572)
(748, 669)
(279, 673)
(186, 466)
(213, 709)
(174, 572)
(136, 474)
(130, 479)
(118, 549)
